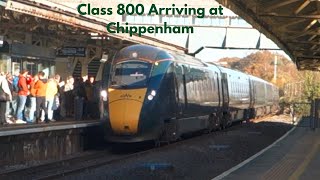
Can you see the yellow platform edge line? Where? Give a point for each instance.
(302, 167)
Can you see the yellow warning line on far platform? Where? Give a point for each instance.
(310, 156)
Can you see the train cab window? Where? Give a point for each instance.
(131, 74)
(163, 55)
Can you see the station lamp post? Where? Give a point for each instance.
(1, 41)
(275, 68)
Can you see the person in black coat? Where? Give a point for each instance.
(80, 107)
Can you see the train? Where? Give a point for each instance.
(160, 95)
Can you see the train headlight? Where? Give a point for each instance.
(153, 93)
(150, 97)
(104, 95)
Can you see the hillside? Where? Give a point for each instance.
(261, 64)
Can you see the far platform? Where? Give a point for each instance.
(296, 156)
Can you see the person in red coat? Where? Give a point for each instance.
(23, 93)
(29, 79)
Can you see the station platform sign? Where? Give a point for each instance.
(71, 52)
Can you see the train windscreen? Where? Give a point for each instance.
(131, 74)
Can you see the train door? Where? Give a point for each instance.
(225, 91)
(170, 93)
(251, 92)
(226, 116)
(218, 87)
(252, 98)
(180, 88)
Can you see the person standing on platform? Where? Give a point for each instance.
(15, 81)
(33, 102)
(51, 91)
(80, 110)
(41, 89)
(9, 111)
(5, 93)
(22, 96)
(89, 104)
(14, 102)
(68, 96)
(57, 100)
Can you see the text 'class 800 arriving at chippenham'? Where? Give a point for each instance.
(160, 95)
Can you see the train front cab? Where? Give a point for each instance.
(139, 82)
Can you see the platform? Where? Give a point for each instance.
(26, 144)
(295, 156)
(17, 129)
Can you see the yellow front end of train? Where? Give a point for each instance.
(125, 107)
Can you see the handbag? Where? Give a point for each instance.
(56, 103)
(3, 96)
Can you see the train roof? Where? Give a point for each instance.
(236, 72)
(152, 53)
(233, 72)
(260, 80)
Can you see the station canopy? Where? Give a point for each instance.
(62, 25)
(294, 25)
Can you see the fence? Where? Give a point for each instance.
(308, 114)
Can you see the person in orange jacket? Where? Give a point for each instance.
(41, 88)
(52, 90)
(32, 99)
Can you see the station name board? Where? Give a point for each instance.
(71, 52)
(149, 10)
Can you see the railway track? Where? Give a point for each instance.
(58, 169)
(91, 160)
(69, 166)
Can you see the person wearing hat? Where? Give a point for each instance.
(22, 96)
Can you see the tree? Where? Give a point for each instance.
(311, 85)
(261, 64)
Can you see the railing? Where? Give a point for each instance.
(308, 114)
